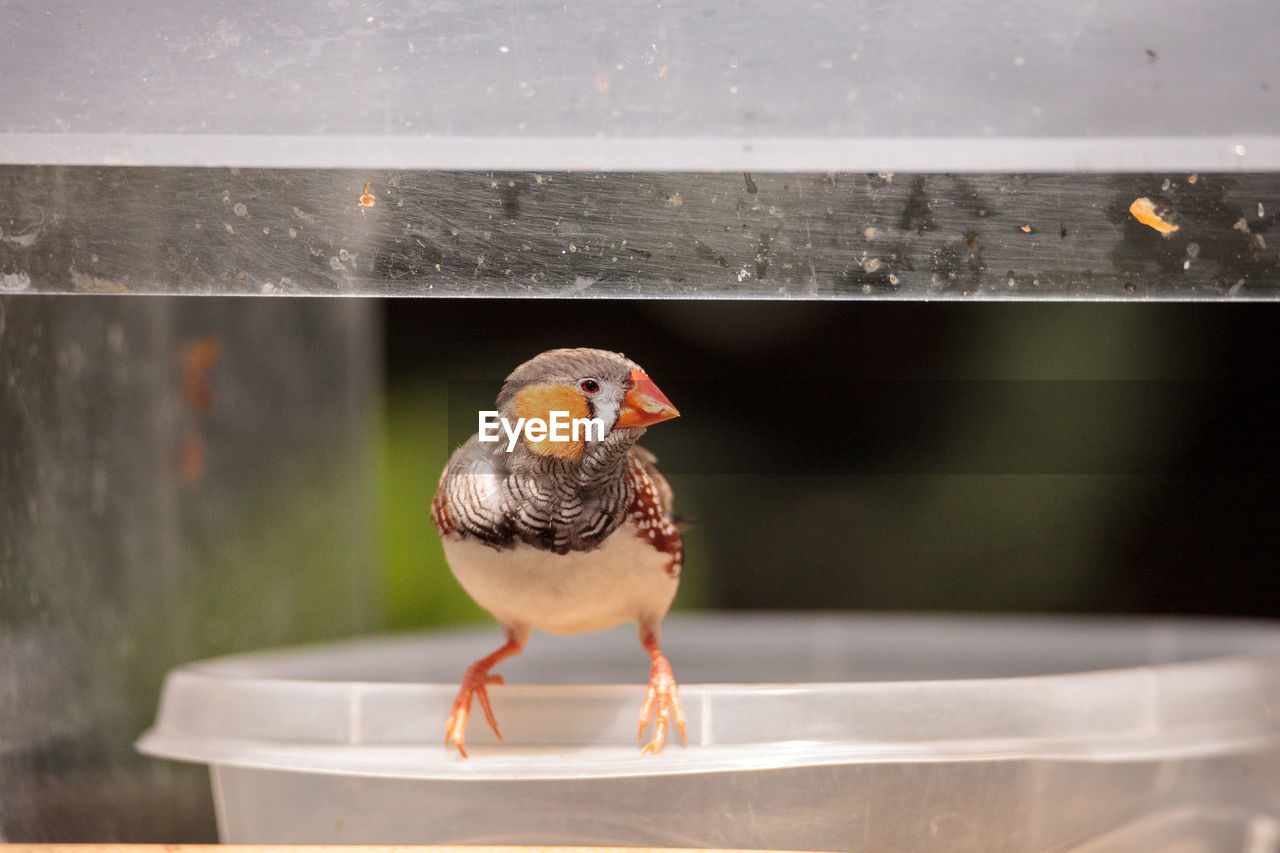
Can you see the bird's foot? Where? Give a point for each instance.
(474, 683)
(663, 697)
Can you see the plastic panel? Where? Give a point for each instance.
(637, 235)
(1015, 85)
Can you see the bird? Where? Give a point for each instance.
(566, 536)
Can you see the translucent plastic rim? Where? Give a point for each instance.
(226, 713)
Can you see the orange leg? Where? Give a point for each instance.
(662, 696)
(474, 683)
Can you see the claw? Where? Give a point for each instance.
(455, 729)
(475, 684)
(483, 695)
(662, 697)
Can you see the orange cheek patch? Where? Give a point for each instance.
(539, 401)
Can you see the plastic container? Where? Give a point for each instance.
(840, 733)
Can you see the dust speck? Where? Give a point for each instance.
(14, 282)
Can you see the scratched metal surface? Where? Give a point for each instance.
(644, 235)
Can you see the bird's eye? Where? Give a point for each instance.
(589, 386)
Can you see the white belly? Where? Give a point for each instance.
(624, 579)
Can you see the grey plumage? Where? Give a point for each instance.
(551, 503)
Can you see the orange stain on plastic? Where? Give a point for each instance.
(197, 357)
(191, 461)
(1145, 212)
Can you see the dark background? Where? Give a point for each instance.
(1087, 457)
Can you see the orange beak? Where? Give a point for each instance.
(644, 404)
